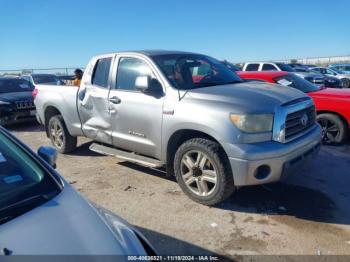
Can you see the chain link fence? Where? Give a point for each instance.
(321, 61)
(56, 71)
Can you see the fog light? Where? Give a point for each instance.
(262, 172)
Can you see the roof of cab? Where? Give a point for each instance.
(150, 52)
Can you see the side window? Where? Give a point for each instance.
(101, 72)
(269, 67)
(129, 69)
(26, 78)
(252, 67)
(327, 71)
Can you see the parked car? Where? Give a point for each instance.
(48, 79)
(16, 101)
(298, 65)
(314, 78)
(332, 105)
(187, 112)
(329, 81)
(41, 214)
(341, 68)
(344, 78)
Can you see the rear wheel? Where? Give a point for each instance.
(203, 172)
(334, 129)
(59, 135)
(345, 83)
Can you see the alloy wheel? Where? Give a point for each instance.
(56, 132)
(330, 130)
(199, 173)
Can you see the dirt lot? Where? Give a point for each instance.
(309, 214)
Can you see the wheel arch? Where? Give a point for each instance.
(342, 117)
(49, 112)
(182, 135)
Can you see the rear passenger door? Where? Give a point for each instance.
(93, 105)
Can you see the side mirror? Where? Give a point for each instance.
(48, 154)
(142, 83)
(149, 85)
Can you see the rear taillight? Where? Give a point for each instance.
(34, 93)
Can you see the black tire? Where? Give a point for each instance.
(345, 82)
(224, 186)
(69, 143)
(334, 129)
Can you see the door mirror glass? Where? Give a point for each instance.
(48, 154)
(142, 83)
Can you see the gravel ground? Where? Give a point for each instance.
(309, 214)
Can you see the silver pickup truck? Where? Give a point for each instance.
(188, 113)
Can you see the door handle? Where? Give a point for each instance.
(115, 100)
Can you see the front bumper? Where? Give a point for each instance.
(268, 162)
(17, 117)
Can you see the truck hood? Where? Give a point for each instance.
(249, 96)
(67, 225)
(331, 93)
(17, 96)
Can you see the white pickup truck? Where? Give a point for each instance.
(187, 112)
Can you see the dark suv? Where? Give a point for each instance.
(16, 101)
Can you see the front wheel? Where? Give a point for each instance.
(59, 135)
(334, 129)
(203, 172)
(345, 83)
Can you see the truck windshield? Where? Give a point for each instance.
(189, 71)
(24, 184)
(296, 82)
(15, 85)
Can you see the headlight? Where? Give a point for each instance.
(254, 123)
(4, 103)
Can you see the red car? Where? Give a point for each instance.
(332, 105)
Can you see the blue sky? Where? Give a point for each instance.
(60, 33)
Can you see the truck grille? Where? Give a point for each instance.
(25, 104)
(298, 122)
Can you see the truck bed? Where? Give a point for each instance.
(63, 99)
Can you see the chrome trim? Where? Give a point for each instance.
(25, 104)
(279, 125)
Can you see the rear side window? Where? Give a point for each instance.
(101, 72)
(269, 67)
(252, 67)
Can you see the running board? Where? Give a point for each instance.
(124, 155)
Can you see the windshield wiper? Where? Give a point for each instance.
(5, 212)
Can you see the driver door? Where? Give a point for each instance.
(136, 117)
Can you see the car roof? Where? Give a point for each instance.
(345, 64)
(41, 74)
(8, 78)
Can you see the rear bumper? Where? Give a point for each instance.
(268, 162)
